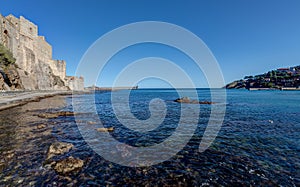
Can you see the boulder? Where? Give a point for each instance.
(10, 78)
(68, 165)
(59, 148)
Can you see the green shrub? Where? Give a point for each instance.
(6, 57)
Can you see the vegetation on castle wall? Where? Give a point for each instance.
(6, 57)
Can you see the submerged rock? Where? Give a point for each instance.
(92, 122)
(59, 148)
(41, 126)
(206, 102)
(109, 129)
(56, 114)
(68, 165)
(189, 101)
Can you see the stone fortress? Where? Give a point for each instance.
(36, 68)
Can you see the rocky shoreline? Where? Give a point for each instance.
(19, 98)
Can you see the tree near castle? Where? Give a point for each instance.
(6, 57)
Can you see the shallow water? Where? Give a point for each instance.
(258, 144)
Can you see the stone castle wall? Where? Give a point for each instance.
(75, 83)
(33, 56)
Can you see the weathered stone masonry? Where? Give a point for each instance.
(37, 69)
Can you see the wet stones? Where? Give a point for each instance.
(64, 165)
(41, 126)
(189, 101)
(58, 148)
(56, 114)
(109, 129)
(68, 165)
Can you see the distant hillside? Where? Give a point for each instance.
(277, 79)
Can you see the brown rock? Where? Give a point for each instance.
(109, 129)
(41, 126)
(56, 114)
(68, 165)
(59, 148)
(187, 100)
(183, 100)
(10, 78)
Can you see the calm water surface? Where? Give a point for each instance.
(258, 144)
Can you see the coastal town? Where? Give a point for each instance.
(282, 78)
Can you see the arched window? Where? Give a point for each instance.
(6, 39)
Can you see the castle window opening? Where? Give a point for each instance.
(30, 29)
(5, 32)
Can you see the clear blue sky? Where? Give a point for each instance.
(246, 36)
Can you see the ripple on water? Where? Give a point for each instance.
(249, 150)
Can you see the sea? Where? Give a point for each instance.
(256, 144)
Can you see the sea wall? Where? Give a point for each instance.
(36, 67)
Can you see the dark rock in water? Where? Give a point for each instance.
(206, 102)
(183, 100)
(59, 148)
(189, 101)
(57, 114)
(2, 165)
(68, 165)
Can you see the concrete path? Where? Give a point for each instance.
(13, 99)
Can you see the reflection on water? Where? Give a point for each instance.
(249, 150)
(23, 141)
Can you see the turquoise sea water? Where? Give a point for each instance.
(258, 143)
